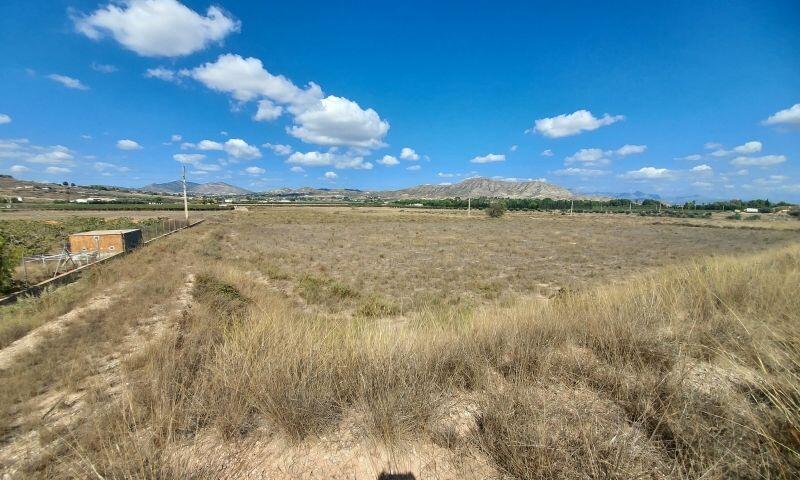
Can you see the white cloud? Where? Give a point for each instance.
(702, 168)
(68, 82)
(175, 138)
(267, 111)
(547, 153)
(18, 169)
(764, 161)
(741, 173)
(712, 145)
(414, 168)
(127, 144)
(254, 170)
(492, 157)
(57, 155)
(189, 158)
(209, 145)
(789, 116)
(317, 119)
(388, 160)
(105, 166)
(339, 121)
(330, 175)
(648, 173)
(447, 175)
(566, 125)
(748, 148)
(720, 153)
(238, 148)
(103, 68)
(325, 159)
(592, 157)
(56, 170)
(278, 148)
(513, 148)
(162, 73)
(246, 79)
(581, 172)
(157, 28)
(4, 118)
(702, 184)
(297, 169)
(692, 158)
(630, 150)
(409, 154)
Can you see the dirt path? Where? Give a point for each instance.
(32, 339)
(58, 409)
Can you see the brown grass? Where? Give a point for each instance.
(687, 371)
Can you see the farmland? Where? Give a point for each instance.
(339, 342)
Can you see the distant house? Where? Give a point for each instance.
(105, 241)
(750, 210)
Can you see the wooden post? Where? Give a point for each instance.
(571, 205)
(469, 206)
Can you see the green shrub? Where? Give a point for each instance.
(496, 209)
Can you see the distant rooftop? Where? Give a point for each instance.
(107, 232)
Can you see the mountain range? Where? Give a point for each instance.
(192, 188)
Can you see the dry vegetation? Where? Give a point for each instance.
(337, 343)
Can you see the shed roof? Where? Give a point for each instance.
(107, 232)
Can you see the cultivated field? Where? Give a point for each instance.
(342, 342)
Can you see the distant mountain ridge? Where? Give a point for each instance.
(483, 187)
(192, 188)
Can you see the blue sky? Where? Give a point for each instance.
(674, 98)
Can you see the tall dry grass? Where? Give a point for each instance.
(691, 372)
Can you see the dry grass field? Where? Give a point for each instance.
(343, 342)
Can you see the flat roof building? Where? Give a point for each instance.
(105, 241)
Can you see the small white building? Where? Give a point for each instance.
(750, 210)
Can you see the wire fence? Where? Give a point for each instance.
(163, 226)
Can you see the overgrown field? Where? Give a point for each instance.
(337, 343)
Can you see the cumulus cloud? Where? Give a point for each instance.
(157, 28)
(409, 154)
(447, 175)
(566, 125)
(389, 160)
(267, 111)
(630, 150)
(4, 118)
(592, 157)
(175, 138)
(712, 145)
(648, 173)
(68, 82)
(490, 158)
(127, 144)
(297, 169)
(414, 168)
(339, 121)
(581, 172)
(748, 148)
(772, 180)
(702, 169)
(105, 166)
(789, 116)
(279, 149)
(246, 79)
(513, 148)
(209, 145)
(692, 158)
(331, 175)
(21, 149)
(765, 161)
(702, 184)
(238, 148)
(189, 158)
(18, 169)
(547, 153)
(326, 159)
(254, 170)
(317, 119)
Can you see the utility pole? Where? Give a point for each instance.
(185, 200)
(571, 204)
